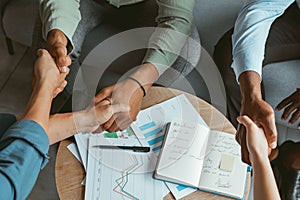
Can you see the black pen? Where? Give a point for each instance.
(133, 148)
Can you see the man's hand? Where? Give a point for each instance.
(47, 74)
(291, 105)
(57, 46)
(255, 139)
(258, 111)
(263, 115)
(129, 93)
(92, 118)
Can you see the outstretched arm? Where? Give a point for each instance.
(250, 34)
(24, 145)
(174, 20)
(62, 126)
(264, 182)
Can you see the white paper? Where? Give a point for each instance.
(119, 175)
(183, 154)
(230, 183)
(123, 139)
(149, 124)
(74, 150)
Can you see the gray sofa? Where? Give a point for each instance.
(17, 21)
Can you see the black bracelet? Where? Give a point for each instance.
(144, 91)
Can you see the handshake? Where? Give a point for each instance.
(49, 81)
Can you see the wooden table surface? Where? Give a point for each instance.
(69, 173)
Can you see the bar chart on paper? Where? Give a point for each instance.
(153, 135)
(150, 122)
(149, 128)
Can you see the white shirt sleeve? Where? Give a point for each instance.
(251, 31)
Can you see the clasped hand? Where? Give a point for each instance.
(263, 116)
(127, 93)
(47, 75)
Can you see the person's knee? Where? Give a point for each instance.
(223, 52)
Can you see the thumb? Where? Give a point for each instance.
(246, 121)
(116, 108)
(103, 94)
(270, 132)
(41, 52)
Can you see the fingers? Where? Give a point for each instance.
(61, 60)
(99, 129)
(246, 121)
(109, 123)
(284, 103)
(103, 94)
(241, 138)
(114, 127)
(60, 89)
(62, 63)
(287, 111)
(295, 116)
(119, 121)
(116, 108)
(59, 53)
(270, 131)
(42, 52)
(273, 154)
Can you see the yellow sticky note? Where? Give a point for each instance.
(227, 162)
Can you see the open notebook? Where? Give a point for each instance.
(196, 156)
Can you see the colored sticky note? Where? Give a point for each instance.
(226, 162)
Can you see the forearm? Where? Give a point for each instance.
(250, 86)
(264, 182)
(65, 125)
(62, 15)
(251, 31)
(175, 19)
(61, 126)
(38, 106)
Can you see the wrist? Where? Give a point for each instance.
(56, 36)
(85, 121)
(258, 159)
(139, 84)
(43, 90)
(250, 86)
(146, 74)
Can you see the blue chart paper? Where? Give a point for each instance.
(149, 126)
(153, 134)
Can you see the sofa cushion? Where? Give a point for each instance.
(281, 80)
(18, 20)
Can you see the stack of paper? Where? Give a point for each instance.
(119, 174)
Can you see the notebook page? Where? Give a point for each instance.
(183, 153)
(223, 171)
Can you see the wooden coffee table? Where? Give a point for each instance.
(69, 173)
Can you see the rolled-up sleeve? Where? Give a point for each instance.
(175, 19)
(251, 31)
(63, 15)
(23, 153)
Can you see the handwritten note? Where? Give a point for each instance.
(184, 151)
(222, 165)
(197, 156)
